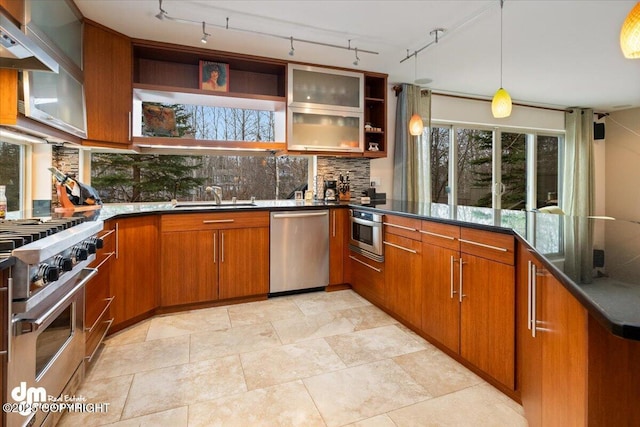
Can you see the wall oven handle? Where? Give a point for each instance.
(364, 263)
(88, 275)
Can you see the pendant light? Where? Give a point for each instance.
(501, 103)
(630, 34)
(416, 127)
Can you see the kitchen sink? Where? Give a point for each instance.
(212, 205)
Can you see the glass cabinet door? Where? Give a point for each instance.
(324, 130)
(314, 87)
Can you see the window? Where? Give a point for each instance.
(11, 161)
(500, 169)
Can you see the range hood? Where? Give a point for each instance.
(19, 52)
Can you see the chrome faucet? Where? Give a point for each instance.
(216, 192)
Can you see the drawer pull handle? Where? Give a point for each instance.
(437, 235)
(365, 264)
(216, 221)
(110, 300)
(109, 255)
(95, 350)
(495, 248)
(400, 247)
(400, 226)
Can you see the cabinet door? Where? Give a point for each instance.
(440, 303)
(403, 261)
(487, 317)
(134, 278)
(529, 348)
(107, 85)
(366, 277)
(563, 327)
(244, 262)
(338, 227)
(189, 269)
(315, 87)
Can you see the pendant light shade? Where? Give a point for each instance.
(630, 34)
(415, 125)
(501, 104)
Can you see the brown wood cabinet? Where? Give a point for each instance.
(375, 113)
(15, 9)
(403, 294)
(338, 244)
(367, 278)
(205, 257)
(552, 348)
(98, 296)
(441, 277)
(134, 280)
(8, 96)
(107, 85)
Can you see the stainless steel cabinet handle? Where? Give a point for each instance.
(461, 295)
(365, 264)
(215, 256)
(109, 301)
(495, 248)
(117, 241)
(453, 292)
(95, 350)
(302, 215)
(529, 286)
(334, 223)
(109, 255)
(9, 332)
(399, 226)
(222, 246)
(216, 221)
(399, 247)
(129, 130)
(437, 235)
(534, 285)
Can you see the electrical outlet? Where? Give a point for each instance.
(375, 182)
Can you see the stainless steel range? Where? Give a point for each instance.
(46, 338)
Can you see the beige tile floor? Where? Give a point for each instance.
(317, 359)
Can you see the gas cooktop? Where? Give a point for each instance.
(15, 233)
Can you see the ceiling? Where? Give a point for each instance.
(555, 53)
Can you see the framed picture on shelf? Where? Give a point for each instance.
(214, 76)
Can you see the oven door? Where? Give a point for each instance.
(47, 349)
(366, 235)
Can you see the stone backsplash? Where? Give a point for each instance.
(359, 172)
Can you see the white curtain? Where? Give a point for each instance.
(577, 183)
(410, 163)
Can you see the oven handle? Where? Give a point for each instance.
(88, 272)
(366, 222)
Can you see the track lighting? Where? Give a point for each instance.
(160, 15)
(292, 51)
(357, 61)
(204, 34)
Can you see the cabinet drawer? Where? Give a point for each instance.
(401, 226)
(486, 244)
(443, 235)
(404, 244)
(367, 277)
(205, 221)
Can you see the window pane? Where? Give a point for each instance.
(514, 178)
(439, 164)
(547, 171)
(10, 173)
(474, 167)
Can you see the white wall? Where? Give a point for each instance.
(622, 186)
(463, 111)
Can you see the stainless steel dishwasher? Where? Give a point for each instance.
(299, 255)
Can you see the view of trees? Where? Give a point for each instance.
(153, 177)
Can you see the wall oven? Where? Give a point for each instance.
(365, 236)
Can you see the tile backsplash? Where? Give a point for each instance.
(359, 171)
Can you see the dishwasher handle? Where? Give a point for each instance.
(300, 215)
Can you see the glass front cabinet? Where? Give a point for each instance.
(325, 109)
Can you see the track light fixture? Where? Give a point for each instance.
(204, 34)
(160, 15)
(163, 15)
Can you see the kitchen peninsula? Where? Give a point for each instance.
(580, 310)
